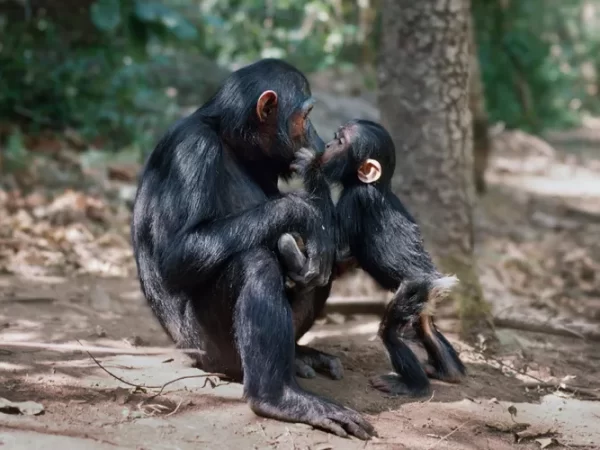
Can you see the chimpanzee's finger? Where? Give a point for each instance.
(292, 257)
(326, 268)
(305, 153)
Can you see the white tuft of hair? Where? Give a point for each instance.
(445, 283)
(440, 288)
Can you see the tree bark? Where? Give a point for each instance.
(481, 137)
(423, 82)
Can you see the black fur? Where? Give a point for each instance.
(207, 218)
(386, 241)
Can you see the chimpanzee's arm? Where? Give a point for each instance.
(206, 240)
(308, 165)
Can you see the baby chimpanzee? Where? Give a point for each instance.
(376, 230)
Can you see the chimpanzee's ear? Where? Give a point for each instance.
(369, 171)
(266, 105)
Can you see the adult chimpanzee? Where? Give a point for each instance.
(376, 229)
(206, 221)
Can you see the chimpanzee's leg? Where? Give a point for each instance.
(410, 378)
(306, 307)
(264, 336)
(445, 362)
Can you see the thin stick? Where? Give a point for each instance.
(547, 328)
(544, 384)
(116, 377)
(443, 438)
(573, 389)
(500, 363)
(430, 398)
(161, 387)
(175, 410)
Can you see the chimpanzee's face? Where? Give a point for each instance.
(284, 129)
(302, 132)
(348, 160)
(337, 158)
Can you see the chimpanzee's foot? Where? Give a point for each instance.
(309, 361)
(296, 405)
(444, 364)
(454, 376)
(394, 385)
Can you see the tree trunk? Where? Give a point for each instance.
(481, 138)
(423, 81)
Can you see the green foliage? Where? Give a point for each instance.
(99, 66)
(313, 34)
(101, 69)
(106, 14)
(532, 65)
(94, 80)
(16, 156)
(116, 69)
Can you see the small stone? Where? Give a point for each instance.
(100, 332)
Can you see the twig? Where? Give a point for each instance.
(500, 363)
(262, 430)
(430, 398)
(160, 387)
(538, 382)
(207, 375)
(445, 437)
(548, 328)
(116, 377)
(176, 409)
(565, 387)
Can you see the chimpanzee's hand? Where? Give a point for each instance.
(291, 253)
(308, 255)
(308, 165)
(305, 161)
(315, 268)
(295, 405)
(320, 239)
(320, 251)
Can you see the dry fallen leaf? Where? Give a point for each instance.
(546, 442)
(506, 427)
(536, 431)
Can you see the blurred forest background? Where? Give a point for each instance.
(116, 72)
(88, 86)
(91, 84)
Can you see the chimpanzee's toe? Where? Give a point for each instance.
(320, 362)
(393, 385)
(303, 370)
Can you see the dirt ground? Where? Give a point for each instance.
(68, 285)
